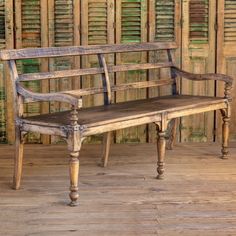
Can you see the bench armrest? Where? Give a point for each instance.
(209, 76)
(57, 97)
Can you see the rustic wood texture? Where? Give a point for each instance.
(79, 123)
(29, 53)
(190, 24)
(197, 196)
(101, 115)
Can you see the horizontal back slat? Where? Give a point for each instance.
(98, 90)
(114, 88)
(28, 53)
(91, 71)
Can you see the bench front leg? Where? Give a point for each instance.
(161, 146)
(74, 142)
(225, 132)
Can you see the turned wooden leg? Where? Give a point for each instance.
(172, 134)
(106, 148)
(161, 147)
(225, 137)
(19, 144)
(74, 177)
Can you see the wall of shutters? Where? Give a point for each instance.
(189, 23)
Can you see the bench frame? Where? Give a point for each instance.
(74, 133)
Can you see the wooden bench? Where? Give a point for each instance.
(78, 123)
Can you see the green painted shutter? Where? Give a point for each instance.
(198, 56)
(97, 22)
(131, 21)
(230, 21)
(31, 37)
(131, 27)
(165, 20)
(63, 31)
(199, 19)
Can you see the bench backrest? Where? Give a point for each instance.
(103, 69)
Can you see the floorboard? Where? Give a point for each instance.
(197, 196)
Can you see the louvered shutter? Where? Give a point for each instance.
(131, 21)
(131, 27)
(199, 19)
(164, 26)
(97, 22)
(198, 53)
(164, 20)
(97, 27)
(28, 34)
(62, 31)
(230, 21)
(6, 42)
(226, 51)
(2, 84)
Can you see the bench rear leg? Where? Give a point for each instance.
(172, 134)
(106, 148)
(161, 149)
(225, 133)
(18, 161)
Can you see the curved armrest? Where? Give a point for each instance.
(58, 97)
(210, 76)
(199, 77)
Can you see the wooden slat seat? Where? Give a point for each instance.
(132, 110)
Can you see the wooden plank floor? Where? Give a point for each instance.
(197, 196)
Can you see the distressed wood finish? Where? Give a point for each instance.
(197, 196)
(75, 125)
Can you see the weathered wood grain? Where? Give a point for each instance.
(197, 196)
(80, 123)
(27, 53)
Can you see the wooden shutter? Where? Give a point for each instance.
(28, 34)
(63, 21)
(131, 21)
(61, 34)
(164, 26)
(131, 27)
(199, 19)
(226, 54)
(3, 136)
(6, 42)
(165, 20)
(97, 21)
(198, 56)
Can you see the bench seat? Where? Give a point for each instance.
(149, 109)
